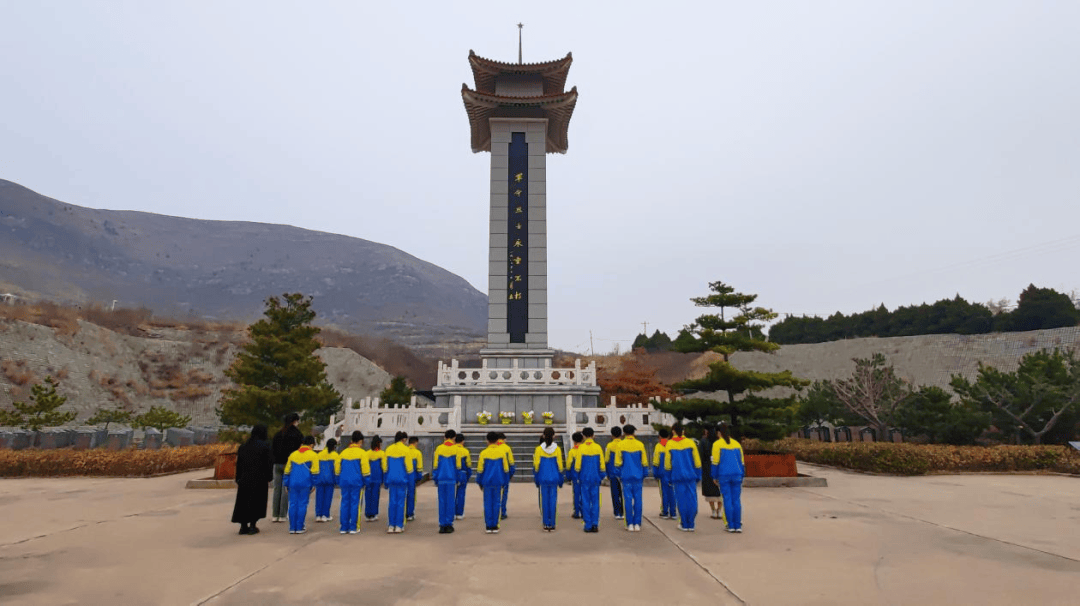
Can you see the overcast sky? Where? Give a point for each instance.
(825, 155)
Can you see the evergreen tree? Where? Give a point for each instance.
(640, 342)
(726, 333)
(277, 371)
(110, 415)
(820, 406)
(931, 413)
(1027, 404)
(41, 411)
(398, 392)
(1039, 308)
(658, 342)
(161, 418)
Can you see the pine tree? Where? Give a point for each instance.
(749, 414)
(161, 418)
(277, 371)
(41, 411)
(110, 415)
(398, 392)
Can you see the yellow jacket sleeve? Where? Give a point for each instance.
(536, 459)
(697, 458)
(559, 458)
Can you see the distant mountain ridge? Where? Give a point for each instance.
(225, 269)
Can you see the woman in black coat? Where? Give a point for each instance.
(254, 472)
(709, 488)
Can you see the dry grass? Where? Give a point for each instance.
(919, 459)
(17, 372)
(396, 359)
(121, 463)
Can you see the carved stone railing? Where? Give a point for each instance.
(452, 374)
(641, 416)
(372, 419)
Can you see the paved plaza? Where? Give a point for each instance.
(987, 539)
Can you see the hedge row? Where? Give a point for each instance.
(113, 463)
(918, 459)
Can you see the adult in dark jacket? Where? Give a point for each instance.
(254, 472)
(287, 440)
(710, 489)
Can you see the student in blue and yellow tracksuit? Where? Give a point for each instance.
(300, 472)
(667, 492)
(492, 472)
(446, 466)
(632, 462)
(398, 472)
(463, 478)
(373, 490)
(352, 469)
(571, 475)
(613, 472)
(418, 474)
(590, 469)
(548, 477)
(324, 482)
(728, 470)
(513, 469)
(684, 466)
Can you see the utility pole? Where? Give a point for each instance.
(645, 326)
(591, 351)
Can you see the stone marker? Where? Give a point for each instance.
(21, 438)
(85, 438)
(174, 436)
(5, 438)
(54, 437)
(118, 439)
(151, 439)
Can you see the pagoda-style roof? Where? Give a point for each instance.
(553, 73)
(519, 90)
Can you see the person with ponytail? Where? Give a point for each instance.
(548, 476)
(728, 470)
(325, 481)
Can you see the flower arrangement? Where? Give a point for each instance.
(506, 417)
(527, 417)
(483, 417)
(549, 417)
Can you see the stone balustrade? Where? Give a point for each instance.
(452, 374)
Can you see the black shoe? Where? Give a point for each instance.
(442, 529)
(243, 530)
(503, 517)
(253, 530)
(449, 530)
(576, 516)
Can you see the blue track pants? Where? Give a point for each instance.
(395, 505)
(590, 505)
(667, 498)
(616, 495)
(298, 504)
(410, 499)
(459, 499)
(687, 500)
(549, 503)
(349, 514)
(731, 488)
(371, 500)
(447, 503)
(632, 501)
(492, 500)
(576, 487)
(324, 496)
(505, 495)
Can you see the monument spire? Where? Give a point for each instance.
(520, 25)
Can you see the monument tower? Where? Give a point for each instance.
(519, 112)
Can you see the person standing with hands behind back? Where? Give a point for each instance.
(728, 469)
(286, 441)
(548, 476)
(492, 473)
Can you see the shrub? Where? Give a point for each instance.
(919, 459)
(111, 463)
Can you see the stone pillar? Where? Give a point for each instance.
(517, 274)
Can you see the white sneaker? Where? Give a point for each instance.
(318, 518)
(292, 532)
(353, 532)
(328, 518)
(389, 530)
(637, 527)
(738, 530)
(619, 517)
(343, 532)
(459, 517)
(301, 531)
(489, 531)
(682, 529)
(496, 531)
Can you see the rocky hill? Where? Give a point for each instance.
(179, 368)
(55, 251)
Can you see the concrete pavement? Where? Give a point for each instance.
(991, 539)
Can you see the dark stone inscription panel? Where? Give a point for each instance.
(517, 242)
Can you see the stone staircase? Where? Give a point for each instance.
(522, 439)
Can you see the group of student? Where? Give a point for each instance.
(676, 464)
